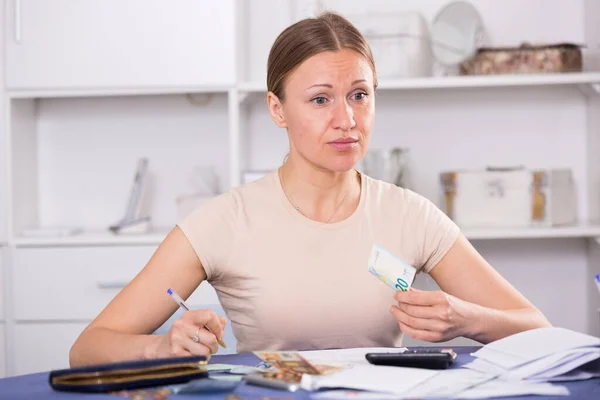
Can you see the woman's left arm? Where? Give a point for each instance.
(475, 301)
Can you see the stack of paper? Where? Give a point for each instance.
(521, 364)
(361, 380)
(539, 355)
(379, 379)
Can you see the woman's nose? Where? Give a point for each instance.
(344, 117)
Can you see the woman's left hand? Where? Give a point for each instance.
(433, 316)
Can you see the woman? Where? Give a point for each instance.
(288, 254)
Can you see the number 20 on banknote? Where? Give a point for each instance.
(390, 269)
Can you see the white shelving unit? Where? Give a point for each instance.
(586, 80)
(71, 153)
(106, 238)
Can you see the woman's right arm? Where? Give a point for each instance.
(123, 330)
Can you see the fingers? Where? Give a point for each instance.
(419, 334)
(205, 338)
(177, 350)
(421, 297)
(206, 344)
(182, 343)
(428, 312)
(418, 323)
(205, 318)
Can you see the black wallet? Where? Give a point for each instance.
(129, 375)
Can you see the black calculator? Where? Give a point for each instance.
(425, 358)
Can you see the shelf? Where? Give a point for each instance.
(107, 238)
(581, 231)
(94, 238)
(458, 82)
(133, 91)
(452, 82)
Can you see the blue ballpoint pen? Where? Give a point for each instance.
(182, 304)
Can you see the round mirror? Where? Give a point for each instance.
(455, 33)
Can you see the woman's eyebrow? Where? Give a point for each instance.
(327, 85)
(330, 86)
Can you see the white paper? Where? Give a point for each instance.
(544, 369)
(376, 378)
(555, 364)
(499, 388)
(353, 394)
(481, 365)
(577, 375)
(449, 383)
(530, 345)
(355, 356)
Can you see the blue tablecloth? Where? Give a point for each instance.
(35, 386)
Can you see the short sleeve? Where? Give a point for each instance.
(436, 232)
(210, 229)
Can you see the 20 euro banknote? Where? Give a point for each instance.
(391, 270)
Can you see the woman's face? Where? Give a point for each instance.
(328, 110)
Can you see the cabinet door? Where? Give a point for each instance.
(3, 184)
(115, 44)
(90, 275)
(2, 351)
(3, 136)
(42, 347)
(2, 291)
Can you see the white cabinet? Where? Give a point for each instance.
(3, 135)
(75, 284)
(2, 288)
(87, 44)
(3, 182)
(3, 363)
(72, 283)
(43, 347)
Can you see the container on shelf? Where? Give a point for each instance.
(525, 59)
(510, 197)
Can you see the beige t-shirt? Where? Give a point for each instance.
(287, 282)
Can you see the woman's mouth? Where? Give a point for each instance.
(344, 144)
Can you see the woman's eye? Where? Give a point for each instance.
(320, 100)
(360, 96)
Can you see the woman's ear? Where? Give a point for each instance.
(276, 110)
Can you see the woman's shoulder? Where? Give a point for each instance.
(256, 190)
(383, 193)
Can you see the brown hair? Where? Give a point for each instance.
(310, 36)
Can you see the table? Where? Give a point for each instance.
(35, 386)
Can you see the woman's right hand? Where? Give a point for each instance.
(181, 338)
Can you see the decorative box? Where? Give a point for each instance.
(526, 59)
(509, 197)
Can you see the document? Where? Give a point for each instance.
(373, 378)
(355, 356)
(540, 355)
(534, 344)
(519, 365)
(449, 383)
(499, 388)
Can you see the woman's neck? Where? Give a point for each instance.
(320, 195)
